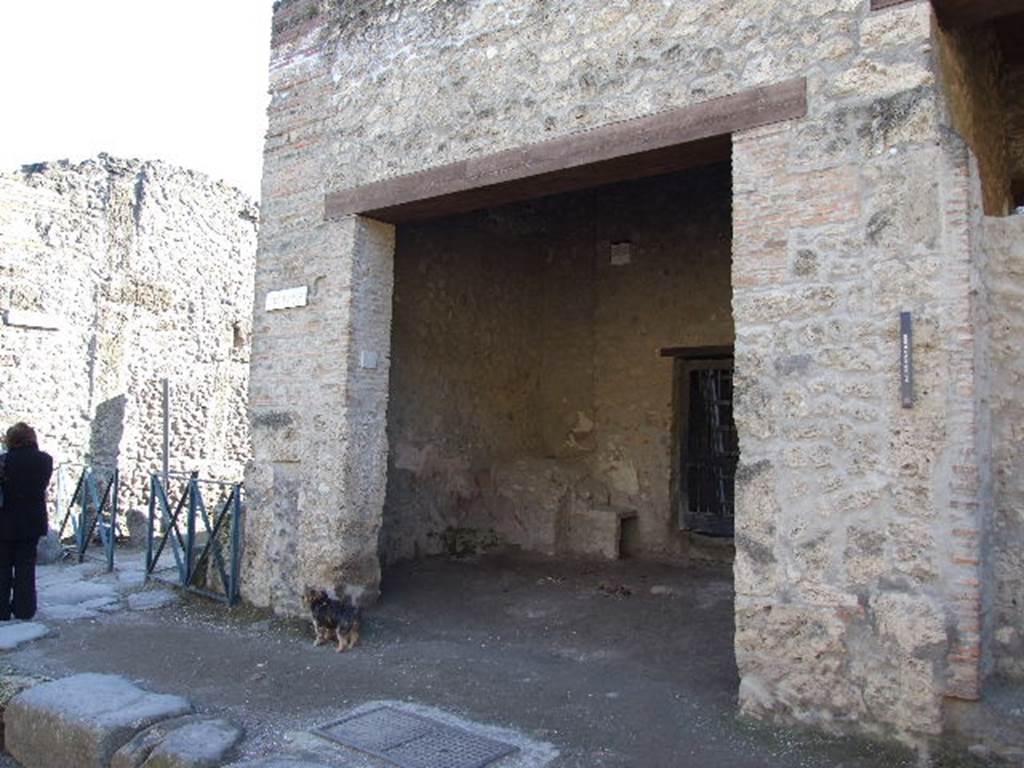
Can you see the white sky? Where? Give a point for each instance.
(178, 80)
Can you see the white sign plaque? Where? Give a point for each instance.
(25, 319)
(287, 298)
(622, 254)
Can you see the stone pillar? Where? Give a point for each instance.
(319, 373)
(859, 523)
(318, 404)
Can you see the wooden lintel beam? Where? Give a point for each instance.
(699, 353)
(662, 142)
(880, 5)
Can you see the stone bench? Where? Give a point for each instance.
(596, 530)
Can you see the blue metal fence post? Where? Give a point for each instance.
(236, 542)
(59, 492)
(69, 516)
(112, 530)
(190, 534)
(83, 518)
(171, 532)
(149, 527)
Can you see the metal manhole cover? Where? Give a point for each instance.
(414, 741)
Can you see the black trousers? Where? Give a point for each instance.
(18, 574)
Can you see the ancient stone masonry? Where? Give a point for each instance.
(1004, 245)
(878, 567)
(145, 271)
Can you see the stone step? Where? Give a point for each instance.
(82, 720)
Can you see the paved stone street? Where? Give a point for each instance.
(574, 665)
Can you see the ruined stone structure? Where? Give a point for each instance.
(116, 275)
(498, 238)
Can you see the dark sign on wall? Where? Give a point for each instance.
(906, 360)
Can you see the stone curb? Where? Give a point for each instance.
(10, 686)
(105, 721)
(82, 720)
(14, 634)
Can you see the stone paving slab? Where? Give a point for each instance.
(66, 613)
(83, 591)
(204, 744)
(11, 686)
(124, 576)
(15, 633)
(82, 720)
(280, 762)
(137, 750)
(88, 609)
(75, 592)
(62, 574)
(193, 741)
(151, 599)
(100, 603)
(131, 578)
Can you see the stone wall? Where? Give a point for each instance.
(1004, 244)
(864, 526)
(861, 546)
(1014, 101)
(148, 270)
(859, 522)
(675, 292)
(526, 375)
(465, 375)
(975, 88)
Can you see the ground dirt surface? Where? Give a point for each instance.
(622, 664)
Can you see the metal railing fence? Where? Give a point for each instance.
(208, 550)
(96, 497)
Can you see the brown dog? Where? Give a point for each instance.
(338, 617)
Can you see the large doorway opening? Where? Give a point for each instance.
(536, 402)
(530, 408)
(536, 437)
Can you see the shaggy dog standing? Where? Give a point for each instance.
(338, 617)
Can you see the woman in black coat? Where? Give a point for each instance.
(25, 474)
